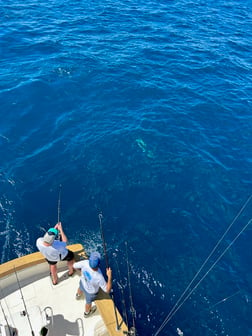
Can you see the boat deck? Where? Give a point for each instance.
(52, 305)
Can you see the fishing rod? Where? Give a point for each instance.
(125, 317)
(59, 209)
(100, 216)
(12, 331)
(25, 312)
(132, 330)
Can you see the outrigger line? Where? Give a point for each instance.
(214, 305)
(25, 312)
(185, 295)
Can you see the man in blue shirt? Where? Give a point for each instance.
(91, 280)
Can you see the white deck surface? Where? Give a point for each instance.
(65, 313)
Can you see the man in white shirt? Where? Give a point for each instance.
(54, 250)
(91, 280)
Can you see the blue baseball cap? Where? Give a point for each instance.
(94, 259)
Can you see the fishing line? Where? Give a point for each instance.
(59, 203)
(213, 306)
(178, 304)
(204, 263)
(209, 270)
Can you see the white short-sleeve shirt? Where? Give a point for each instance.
(91, 280)
(55, 252)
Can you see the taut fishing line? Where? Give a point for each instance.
(185, 295)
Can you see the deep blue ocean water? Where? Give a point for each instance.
(141, 110)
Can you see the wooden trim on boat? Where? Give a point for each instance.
(107, 310)
(34, 259)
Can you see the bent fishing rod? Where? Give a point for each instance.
(59, 202)
(59, 209)
(100, 216)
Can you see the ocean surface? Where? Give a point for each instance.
(140, 110)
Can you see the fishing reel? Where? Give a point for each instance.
(132, 332)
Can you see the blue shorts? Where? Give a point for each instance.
(89, 297)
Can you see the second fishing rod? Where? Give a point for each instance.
(100, 216)
(132, 330)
